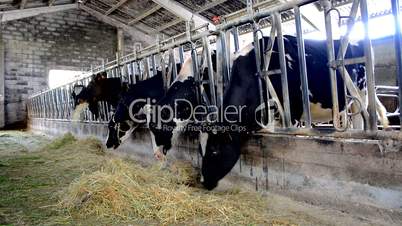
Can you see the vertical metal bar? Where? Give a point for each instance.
(140, 72)
(369, 68)
(235, 33)
(147, 73)
(172, 60)
(134, 69)
(225, 59)
(164, 76)
(302, 67)
(153, 61)
(207, 49)
(194, 60)
(331, 58)
(130, 72)
(398, 49)
(53, 103)
(181, 54)
(284, 75)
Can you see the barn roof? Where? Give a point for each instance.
(166, 17)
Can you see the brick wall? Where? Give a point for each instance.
(70, 40)
(385, 64)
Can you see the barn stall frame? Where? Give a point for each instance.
(336, 165)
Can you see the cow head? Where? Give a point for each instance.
(161, 137)
(222, 151)
(89, 94)
(116, 131)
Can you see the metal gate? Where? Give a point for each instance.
(57, 104)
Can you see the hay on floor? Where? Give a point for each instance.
(126, 191)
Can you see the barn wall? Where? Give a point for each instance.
(354, 175)
(385, 65)
(70, 40)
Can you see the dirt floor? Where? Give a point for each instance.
(36, 170)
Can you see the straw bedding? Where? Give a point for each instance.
(78, 110)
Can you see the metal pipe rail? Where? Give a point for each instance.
(142, 63)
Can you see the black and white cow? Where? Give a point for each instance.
(222, 148)
(182, 97)
(148, 91)
(100, 88)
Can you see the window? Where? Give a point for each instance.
(62, 77)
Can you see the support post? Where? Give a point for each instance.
(369, 68)
(235, 33)
(302, 67)
(284, 75)
(2, 113)
(120, 42)
(398, 50)
(330, 58)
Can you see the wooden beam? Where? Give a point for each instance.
(23, 3)
(140, 36)
(144, 14)
(182, 12)
(120, 3)
(202, 9)
(170, 24)
(25, 13)
(210, 5)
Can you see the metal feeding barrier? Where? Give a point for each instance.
(57, 103)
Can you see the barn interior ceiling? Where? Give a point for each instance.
(148, 18)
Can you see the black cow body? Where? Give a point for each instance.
(150, 90)
(223, 148)
(183, 96)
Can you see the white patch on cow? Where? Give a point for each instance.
(289, 61)
(158, 154)
(310, 94)
(186, 70)
(180, 126)
(203, 142)
(288, 57)
(243, 52)
(128, 132)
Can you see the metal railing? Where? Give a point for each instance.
(57, 103)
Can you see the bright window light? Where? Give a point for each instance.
(378, 28)
(62, 77)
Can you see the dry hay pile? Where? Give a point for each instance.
(128, 192)
(78, 110)
(110, 189)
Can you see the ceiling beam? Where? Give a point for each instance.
(182, 12)
(144, 14)
(24, 13)
(170, 24)
(210, 5)
(120, 3)
(202, 9)
(140, 36)
(23, 4)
